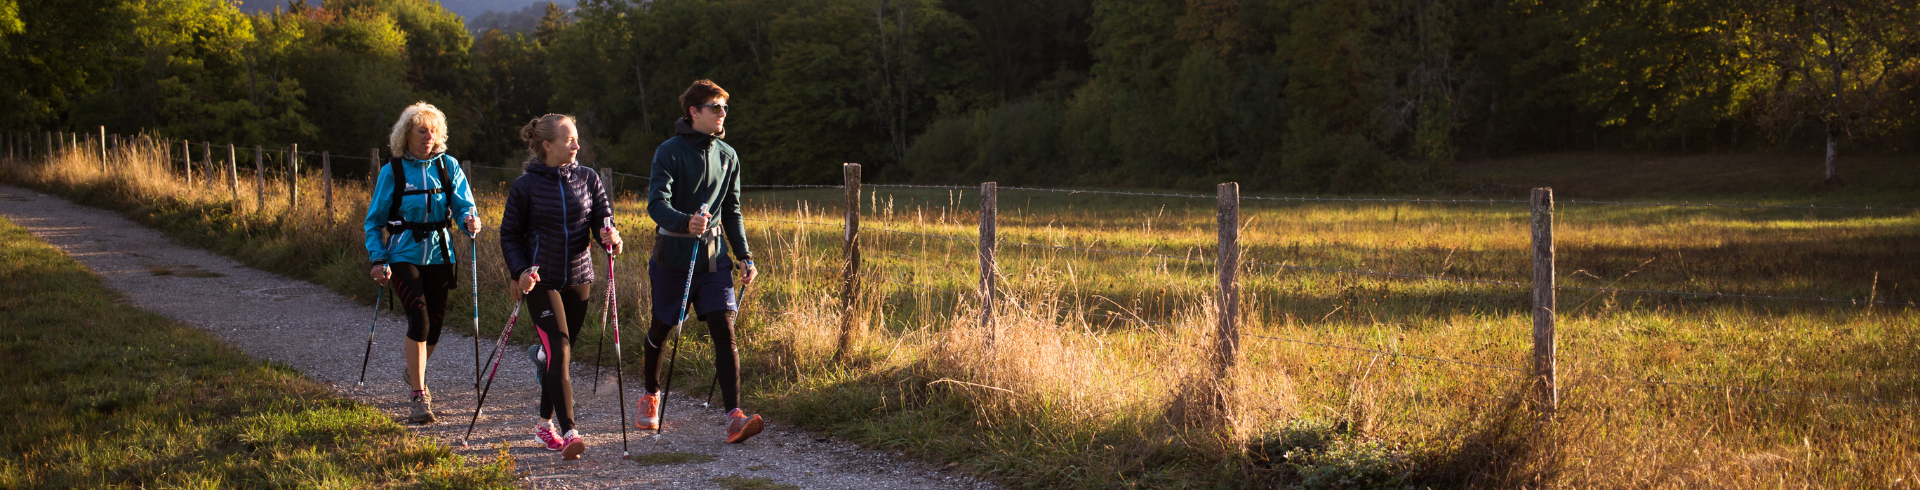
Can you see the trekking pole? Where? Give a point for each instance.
(376, 321)
(685, 294)
(600, 351)
(744, 289)
(620, 383)
(494, 360)
(473, 266)
(364, 357)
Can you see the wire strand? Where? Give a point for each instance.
(1742, 296)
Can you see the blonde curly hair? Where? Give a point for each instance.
(420, 113)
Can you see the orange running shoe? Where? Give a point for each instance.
(740, 427)
(649, 418)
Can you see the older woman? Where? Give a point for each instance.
(419, 193)
(552, 212)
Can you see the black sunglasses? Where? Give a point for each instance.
(717, 107)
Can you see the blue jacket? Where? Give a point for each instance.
(552, 214)
(435, 247)
(689, 169)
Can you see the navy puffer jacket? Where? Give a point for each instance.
(552, 215)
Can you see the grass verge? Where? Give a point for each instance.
(101, 394)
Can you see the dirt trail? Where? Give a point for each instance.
(322, 334)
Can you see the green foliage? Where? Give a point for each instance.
(1324, 455)
(1287, 95)
(10, 19)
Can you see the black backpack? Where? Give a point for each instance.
(395, 224)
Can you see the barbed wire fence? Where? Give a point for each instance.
(1544, 370)
(23, 145)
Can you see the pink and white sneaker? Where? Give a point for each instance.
(544, 432)
(573, 444)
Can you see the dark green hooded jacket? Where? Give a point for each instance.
(690, 169)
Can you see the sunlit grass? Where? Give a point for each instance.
(99, 394)
(1094, 373)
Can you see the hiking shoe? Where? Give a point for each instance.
(740, 427)
(422, 408)
(539, 358)
(544, 433)
(649, 412)
(572, 446)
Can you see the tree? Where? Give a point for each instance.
(1831, 60)
(515, 88)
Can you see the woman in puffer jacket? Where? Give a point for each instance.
(553, 214)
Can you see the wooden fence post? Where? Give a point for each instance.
(989, 241)
(373, 170)
(326, 171)
(850, 289)
(103, 148)
(1227, 341)
(207, 169)
(259, 180)
(233, 173)
(1544, 300)
(293, 177)
(186, 160)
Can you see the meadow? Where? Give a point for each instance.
(1345, 380)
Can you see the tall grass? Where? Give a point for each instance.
(1099, 371)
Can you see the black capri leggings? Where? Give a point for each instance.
(558, 314)
(422, 290)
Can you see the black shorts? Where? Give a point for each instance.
(711, 291)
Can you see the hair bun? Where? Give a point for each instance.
(530, 132)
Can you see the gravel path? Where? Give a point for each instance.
(322, 334)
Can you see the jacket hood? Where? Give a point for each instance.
(684, 127)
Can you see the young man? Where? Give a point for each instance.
(691, 170)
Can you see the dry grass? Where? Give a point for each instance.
(1099, 372)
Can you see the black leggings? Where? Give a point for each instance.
(726, 357)
(552, 308)
(422, 290)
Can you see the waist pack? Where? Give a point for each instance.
(708, 245)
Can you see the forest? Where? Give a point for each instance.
(1317, 96)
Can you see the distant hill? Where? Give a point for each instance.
(524, 20)
(470, 10)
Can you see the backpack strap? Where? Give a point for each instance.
(395, 223)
